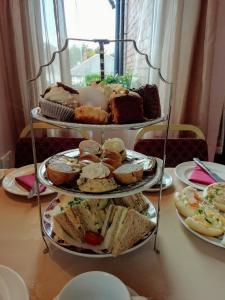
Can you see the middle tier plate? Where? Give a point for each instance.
(121, 191)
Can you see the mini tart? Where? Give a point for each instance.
(208, 223)
(91, 115)
(215, 194)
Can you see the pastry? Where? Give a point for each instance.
(207, 222)
(188, 201)
(91, 147)
(91, 115)
(96, 178)
(111, 158)
(126, 108)
(61, 169)
(215, 194)
(117, 145)
(93, 96)
(128, 173)
(59, 101)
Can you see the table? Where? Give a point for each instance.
(186, 268)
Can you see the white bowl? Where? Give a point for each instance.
(95, 285)
(12, 286)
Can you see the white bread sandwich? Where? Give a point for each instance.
(92, 213)
(128, 173)
(124, 227)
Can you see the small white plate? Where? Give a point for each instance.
(10, 185)
(167, 181)
(184, 170)
(12, 286)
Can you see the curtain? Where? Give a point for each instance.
(179, 37)
(11, 101)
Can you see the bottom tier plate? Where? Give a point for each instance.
(59, 238)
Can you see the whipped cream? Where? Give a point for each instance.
(95, 170)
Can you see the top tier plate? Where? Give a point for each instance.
(36, 114)
(122, 190)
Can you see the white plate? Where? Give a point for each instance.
(212, 240)
(10, 185)
(12, 286)
(167, 181)
(64, 242)
(184, 170)
(36, 113)
(121, 191)
(2, 173)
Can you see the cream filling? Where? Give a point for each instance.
(95, 170)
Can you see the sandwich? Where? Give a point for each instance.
(92, 214)
(137, 202)
(77, 217)
(69, 221)
(123, 228)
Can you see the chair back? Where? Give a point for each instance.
(45, 146)
(178, 150)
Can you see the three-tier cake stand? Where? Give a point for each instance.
(35, 114)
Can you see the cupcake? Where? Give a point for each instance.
(59, 101)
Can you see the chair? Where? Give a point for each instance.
(45, 146)
(178, 150)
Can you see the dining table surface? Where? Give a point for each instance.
(187, 267)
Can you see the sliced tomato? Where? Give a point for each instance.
(93, 238)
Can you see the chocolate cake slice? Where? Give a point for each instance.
(151, 101)
(126, 108)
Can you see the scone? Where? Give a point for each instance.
(61, 169)
(117, 145)
(91, 115)
(96, 178)
(128, 173)
(91, 147)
